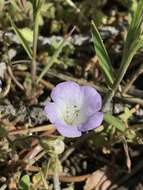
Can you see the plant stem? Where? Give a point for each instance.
(56, 181)
(35, 40)
(127, 58)
(56, 54)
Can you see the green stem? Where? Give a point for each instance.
(52, 60)
(35, 40)
(127, 58)
(56, 181)
(54, 57)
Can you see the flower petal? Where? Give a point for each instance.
(93, 122)
(67, 92)
(67, 131)
(51, 112)
(92, 100)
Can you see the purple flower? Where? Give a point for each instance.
(75, 109)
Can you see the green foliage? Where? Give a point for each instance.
(57, 17)
(135, 28)
(132, 44)
(53, 58)
(24, 13)
(102, 55)
(115, 122)
(19, 12)
(24, 183)
(68, 50)
(27, 34)
(134, 39)
(37, 6)
(126, 115)
(21, 38)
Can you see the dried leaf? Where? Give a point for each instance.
(98, 180)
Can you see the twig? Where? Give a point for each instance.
(32, 161)
(28, 61)
(128, 99)
(79, 81)
(35, 150)
(7, 88)
(73, 179)
(128, 160)
(14, 79)
(133, 78)
(32, 130)
(135, 92)
(3, 187)
(47, 84)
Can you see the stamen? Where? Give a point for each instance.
(71, 117)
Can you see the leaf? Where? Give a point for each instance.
(24, 183)
(72, 4)
(114, 121)
(133, 42)
(135, 26)
(102, 55)
(21, 38)
(27, 34)
(99, 179)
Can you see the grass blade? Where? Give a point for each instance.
(135, 25)
(102, 55)
(52, 60)
(132, 44)
(21, 38)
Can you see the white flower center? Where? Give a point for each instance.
(73, 115)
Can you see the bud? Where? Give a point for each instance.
(53, 146)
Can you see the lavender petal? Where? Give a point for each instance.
(67, 92)
(51, 112)
(66, 130)
(92, 100)
(93, 122)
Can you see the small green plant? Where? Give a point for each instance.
(132, 44)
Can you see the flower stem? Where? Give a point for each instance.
(56, 181)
